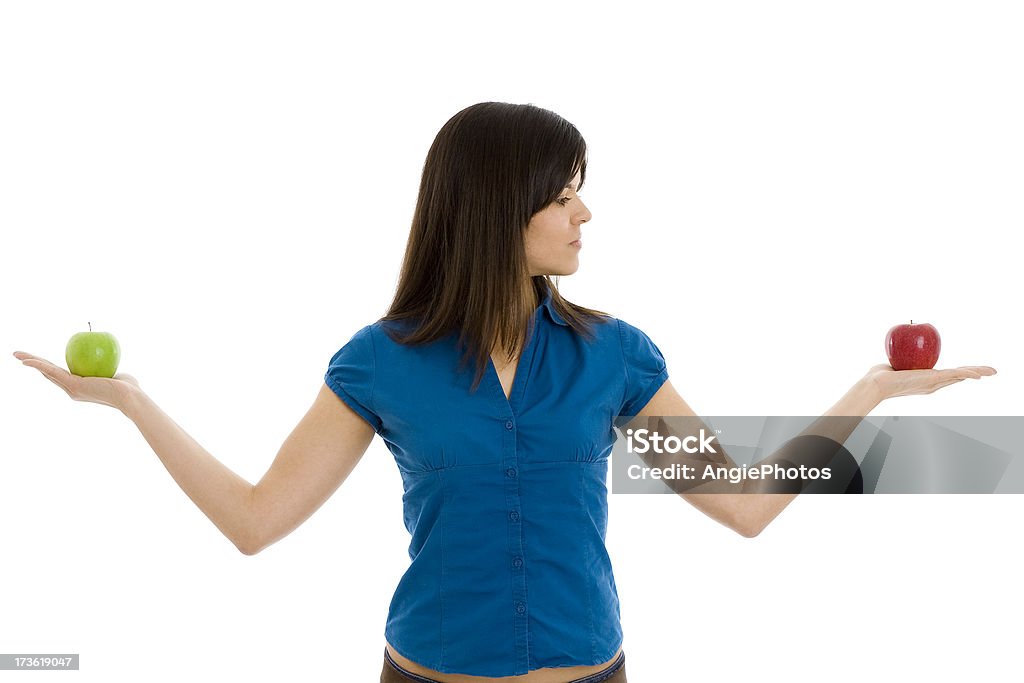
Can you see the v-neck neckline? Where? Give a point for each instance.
(498, 373)
(518, 378)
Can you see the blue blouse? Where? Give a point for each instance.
(505, 499)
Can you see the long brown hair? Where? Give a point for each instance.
(491, 167)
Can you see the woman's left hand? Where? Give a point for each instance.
(890, 382)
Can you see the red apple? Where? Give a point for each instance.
(912, 347)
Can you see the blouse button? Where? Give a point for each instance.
(509, 425)
(511, 472)
(514, 516)
(517, 562)
(521, 607)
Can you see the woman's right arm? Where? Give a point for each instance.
(313, 462)
(311, 465)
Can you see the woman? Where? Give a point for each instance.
(498, 399)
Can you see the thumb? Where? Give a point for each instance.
(125, 377)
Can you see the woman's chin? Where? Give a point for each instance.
(561, 269)
(569, 268)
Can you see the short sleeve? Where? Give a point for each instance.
(350, 375)
(646, 370)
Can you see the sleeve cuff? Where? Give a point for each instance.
(641, 401)
(370, 418)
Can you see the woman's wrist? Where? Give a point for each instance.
(860, 400)
(128, 399)
(872, 391)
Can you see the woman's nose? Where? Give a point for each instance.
(584, 215)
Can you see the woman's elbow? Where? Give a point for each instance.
(748, 530)
(751, 519)
(749, 526)
(249, 546)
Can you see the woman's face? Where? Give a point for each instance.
(551, 236)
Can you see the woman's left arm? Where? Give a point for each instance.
(749, 513)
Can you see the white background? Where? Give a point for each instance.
(228, 187)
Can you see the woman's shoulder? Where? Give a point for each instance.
(626, 341)
(613, 329)
(376, 347)
(390, 338)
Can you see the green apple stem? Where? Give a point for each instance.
(90, 326)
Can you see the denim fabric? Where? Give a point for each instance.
(505, 498)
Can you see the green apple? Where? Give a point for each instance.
(93, 354)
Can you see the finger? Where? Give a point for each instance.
(40, 365)
(52, 371)
(980, 369)
(961, 373)
(48, 374)
(44, 366)
(946, 384)
(22, 356)
(126, 378)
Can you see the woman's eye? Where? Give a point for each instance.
(564, 200)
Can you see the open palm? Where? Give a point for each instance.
(892, 382)
(106, 391)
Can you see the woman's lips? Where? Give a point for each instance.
(577, 243)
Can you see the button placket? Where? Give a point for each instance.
(513, 502)
(508, 426)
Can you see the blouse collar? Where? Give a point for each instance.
(552, 313)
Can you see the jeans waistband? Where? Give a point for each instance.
(596, 677)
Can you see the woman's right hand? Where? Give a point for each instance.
(111, 392)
